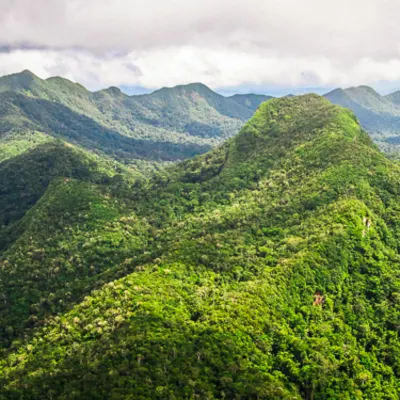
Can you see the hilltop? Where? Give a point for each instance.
(265, 268)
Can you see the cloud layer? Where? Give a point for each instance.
(224, 43)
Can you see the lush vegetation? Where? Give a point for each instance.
(264, 269)
(169, 124)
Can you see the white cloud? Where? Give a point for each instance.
(219, 42)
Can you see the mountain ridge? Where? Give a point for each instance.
(191, 115)
(250, 100)
(379, 115)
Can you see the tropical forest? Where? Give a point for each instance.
(187, 245)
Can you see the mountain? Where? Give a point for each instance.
(21, 114)
(25, 177)
(56, 128)
(394, 98)
(266, 268)
(250, 101)
(167, 125)
(379, 115)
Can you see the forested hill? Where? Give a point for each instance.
(167, 125)
(264, 269)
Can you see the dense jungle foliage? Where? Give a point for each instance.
(264, 269)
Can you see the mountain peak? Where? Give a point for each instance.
(21, 81)
(335, 91)
(338, 96)
(196, 93)
(23, 75)
(281, 124)
(197, 86)
(28, 73)
(190, 87)
(364, 92)
(114, 90)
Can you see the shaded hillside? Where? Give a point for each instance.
(72, 95)
(264, 269)
(19, 113)
(250, 101)
(24, 178)
(169, 124)
(194, 109)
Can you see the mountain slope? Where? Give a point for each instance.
(267, 268)
(250, 101)
(394, 98)
(370, 99)
(379, 115)
(195, 109)
(19, 113)
(24, 178)
(170, 124)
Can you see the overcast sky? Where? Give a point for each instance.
(257, 45)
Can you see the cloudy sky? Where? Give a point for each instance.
(231, 45)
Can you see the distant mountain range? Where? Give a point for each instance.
(379, 115)
(167, 125)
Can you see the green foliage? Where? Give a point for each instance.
(167, 125)
(200, 282)
(20, 113)
(25, 177)
(15, 144)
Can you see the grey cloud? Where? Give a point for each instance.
(223, 42)
(134, 68)
(343, 29)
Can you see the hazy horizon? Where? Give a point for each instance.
(274, 90)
